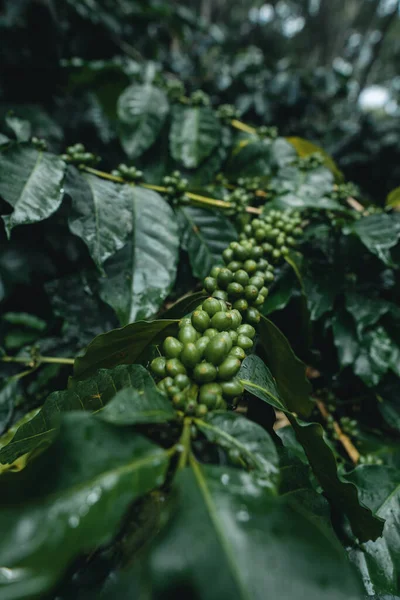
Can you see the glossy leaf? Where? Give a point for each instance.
(141, 403)
(89, 395)
(393, 198)
(345, 337)
(71, 492)
(184, 306)
(31, 182)
(250, 441)
(379, 488)
(195, 132)
(142, 110)
(366, 311)
(287, 369)
(100, 215)
(379, 233)
(229, 538)
(141, 274)
(299, 189)
(204, 235)
(121, 346)
(260, 382)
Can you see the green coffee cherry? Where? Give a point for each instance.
(231, 389)
(158, 366)
(201, 345)
(200, 320)
(187, 334)
(244, 342)
(221, 321)
(216, 350)
(190, 355)
(229, 368)
(204, 372)
(210, 284)
(174, 367)
(247, 330)
(172, 347)
(181, 381)
(241, 277)
(238, 352)
(209, 394)
(253, 316)
(211, 306)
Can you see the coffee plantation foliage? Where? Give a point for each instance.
(221, 317)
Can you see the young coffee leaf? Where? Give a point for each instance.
(246, 544)
(141, 274)
(122, 346)
(258, 380)
(287, 369)
(142, 110)
(100, 214)
(252, 443)
(204, 235)
(31, 182)
(379, 488)
(195, 132)
(89, 395)
(78, 493)
(379, 233)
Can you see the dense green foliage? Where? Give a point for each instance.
(200, 327)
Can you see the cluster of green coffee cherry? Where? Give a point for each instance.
(130, 174)
(310, 162)
(198, 369)
(199, 98)
(39, 143)
(342, 191)
(174, 88)
(250, 184)
(176, 188)
(240, 200)
(77, 154)
(227, 112)
(270, 133)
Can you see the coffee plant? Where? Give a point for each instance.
(220, 310)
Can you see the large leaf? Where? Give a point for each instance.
(31, 182)
(229, 538)
(204, 235)
(257, 379)
(141, 274)
(287, 369)
(121, 346)
(379, 233)
(366, 311)
(296, 188)
(100, 215)
(131, 406)
(245, 438)
(345, 337)
(89, 395)
(142, 110)
(378, 562)
(184, 306)
(195, 132)
(71, 500)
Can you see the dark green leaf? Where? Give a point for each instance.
(287, 369)
(379, 233)
(121, 346)
(195, 132)
(101, 214)
(89, 395)
(141, 274)
(311, 436)
(8, 392)
(252, 442)
(366, 311)
(25, 320)
(304, 189)
(204, 235)
(184, 306)
(321, 291)
(141, 403)
(22, 129)
(345, 337)
(246, 544)
(142, 110)
(281, 292)
(78, 493)
(375, 358)
(378, 561)
(31, 182)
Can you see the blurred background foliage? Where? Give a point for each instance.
(323, 70)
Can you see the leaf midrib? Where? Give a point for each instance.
(214, 519)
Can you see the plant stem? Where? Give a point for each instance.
(156, 188)
(242, 126)
(209, 201)
(185, 442)
(343, 438)
(103, 174)
(39, 360)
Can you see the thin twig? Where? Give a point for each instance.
(343, 438)
(242, 126)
